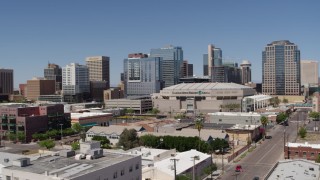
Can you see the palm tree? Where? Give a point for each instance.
(264, 121)
(199, 126)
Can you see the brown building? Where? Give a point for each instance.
(113, 93)
(6, 83)
(302, 151)
(99, 69)
(30, 120)
(96, 90)
(37, 87)
(22, 88)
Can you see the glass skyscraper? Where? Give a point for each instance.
(281, 68)
(172, 58)
(142, 76)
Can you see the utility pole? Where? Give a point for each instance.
(193, 168)
(61, 131)
(175, 167)
(284, 142)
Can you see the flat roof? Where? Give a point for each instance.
(246, 114)
(147, 153)
(183, 163)
(295, 170)
(306, 144)
(88, 114)
(259, 97)
(70, 167)
(207, 86)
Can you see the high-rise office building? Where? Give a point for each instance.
(245, 67)
(6, 83)
(142, 76)
(184, 69)
(99, 76)
(214, 59)
(205, 65)
(54, 72)
(172, 58)
(99, 68)
(190, 70)
(281, 69)
(309, 72)
(75, 81)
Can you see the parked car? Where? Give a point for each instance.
(268, 137)
(238, 168)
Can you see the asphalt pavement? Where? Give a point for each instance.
(261, 160)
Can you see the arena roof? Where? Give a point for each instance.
(206, 86)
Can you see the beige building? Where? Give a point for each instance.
(38, 86)
(91, 119)
(316, 102)
(200, 97)
(281, 69)
(245, 67)
(309, 72)
(113, 93)
(99, 68)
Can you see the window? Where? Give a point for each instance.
(122, 172)
(130, 169)
(115, 175)
(312, 154)
(304, 154)
(8, 177)
(137, 166)
(297, 153)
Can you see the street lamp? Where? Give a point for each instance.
(194, 159)
(61, 130)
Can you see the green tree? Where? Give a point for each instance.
(75, 146)
(128, 139)
(281, 117)
(302, 132)
(318, 159)
(39, 136)
(284, 100)
(155, 111)
(314, 115)
(129, 111)
(209, 169)
(52, 133)
(104, 142)
(264, 121)
(150, 140)
(48, 144)
(199, 126)
(21, 136)
(77, 127)
(185, 177)
(12, 136)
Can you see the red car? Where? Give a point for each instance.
(238, 168)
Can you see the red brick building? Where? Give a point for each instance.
(302, 151)
(29, 120)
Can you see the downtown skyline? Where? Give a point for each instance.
(35, 33)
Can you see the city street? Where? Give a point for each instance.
(260, 161)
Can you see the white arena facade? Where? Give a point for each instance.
(200, 97)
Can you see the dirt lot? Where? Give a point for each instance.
(311, 138)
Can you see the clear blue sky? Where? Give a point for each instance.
(35, 32)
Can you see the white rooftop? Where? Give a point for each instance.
(88, 114)
(244, 127)
(183, 163)
(259, 97)
(246, 114)
(112, 129)
(146, 153)
(306, 144)
(295, 170)
(206, 86)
